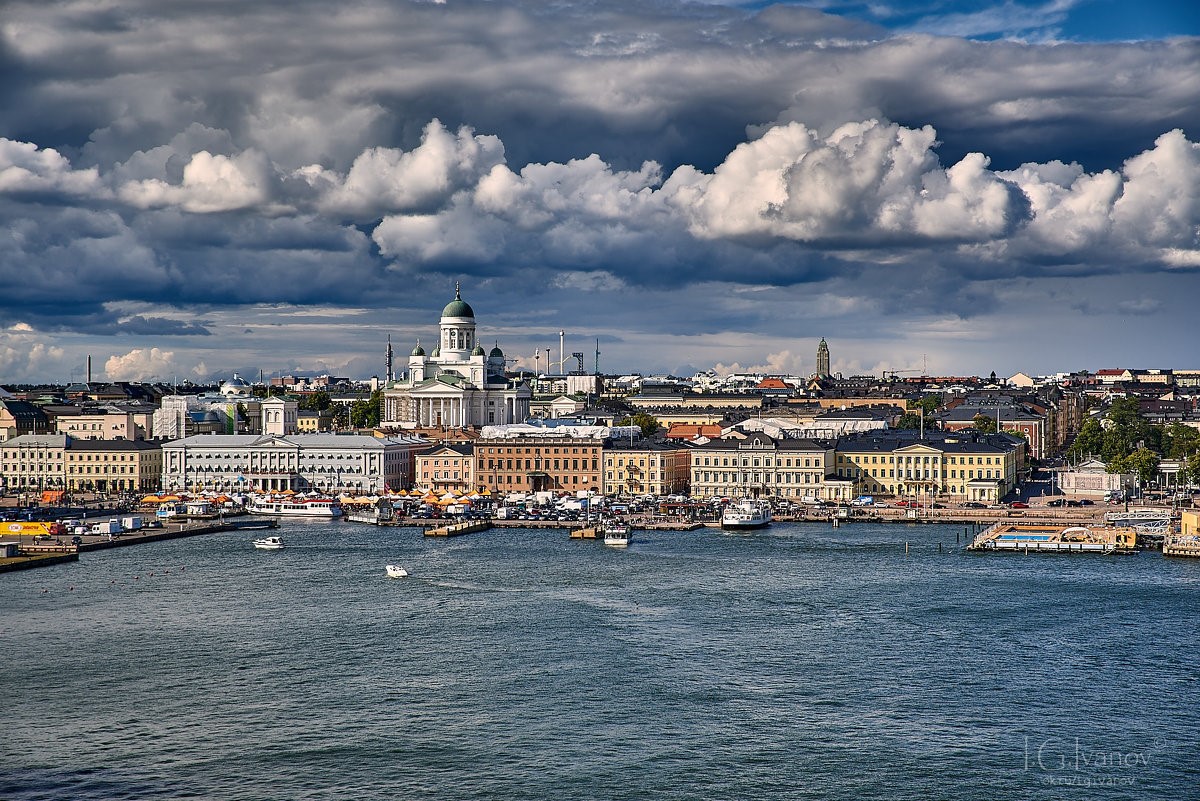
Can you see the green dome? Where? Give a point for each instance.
(418, 350)
(437, 351)
(478, 351)
(497, 353)
(458, 307)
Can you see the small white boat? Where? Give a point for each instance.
(396, 571)
(617, 534)
(746, 515)
(271, 543)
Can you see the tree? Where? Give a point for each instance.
(1143, 463)
(645, 422)
(1193, 468)
(984, 423)
(1090, 439)
(909, 421)
(316, 402)
(929, 403)
(1179, 441)
(366, 414)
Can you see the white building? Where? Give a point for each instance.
(326, 463)
(280, 417)
(458, 384)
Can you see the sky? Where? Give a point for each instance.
(197, 188)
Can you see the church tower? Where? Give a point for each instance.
(822, 359)
(457, 329)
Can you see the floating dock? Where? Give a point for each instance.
(1039, 538)
(458, 528)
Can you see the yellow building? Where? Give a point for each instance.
(959, 466)
(308, 422)
(48, 462)
(646, 468)
(114, 465)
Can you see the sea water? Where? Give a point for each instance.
(796, 662)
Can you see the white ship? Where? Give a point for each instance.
(617, 533)
(746, 515)
(295, 507)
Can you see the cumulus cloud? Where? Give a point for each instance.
(385, 179)
(870, 181)
(211, 183)
(24, 357)
(140, 364)
(782, 363)
(26, 168)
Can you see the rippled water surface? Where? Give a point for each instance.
(797, 662)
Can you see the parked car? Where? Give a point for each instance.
(1056, 502)
(973, 505)
(1086, 502)
(1019, 505)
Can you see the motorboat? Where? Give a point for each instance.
(746, 515)
(295, 507)
(272, 543)
(617, 533)
(396, 571)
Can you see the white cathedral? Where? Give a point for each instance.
(457, 385)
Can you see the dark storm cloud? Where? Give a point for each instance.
(645, 157)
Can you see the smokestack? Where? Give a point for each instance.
(89, 370)
(562, 352)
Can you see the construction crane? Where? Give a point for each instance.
(894, 373)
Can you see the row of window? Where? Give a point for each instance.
(778, 461)
(849, 459)
(759, 478)
(538, 464)
(505, 450)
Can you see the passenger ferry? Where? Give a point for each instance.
(617, 533)
(295, 507)
(746, 515)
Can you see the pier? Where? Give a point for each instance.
(457, 529)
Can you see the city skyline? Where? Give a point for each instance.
(976, 187)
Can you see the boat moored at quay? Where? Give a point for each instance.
(746, 515)
(317, 508)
